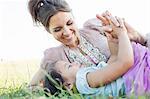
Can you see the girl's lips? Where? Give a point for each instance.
(81, 66)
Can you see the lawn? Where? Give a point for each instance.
(14, 78)
(17, 72)
(15, 75)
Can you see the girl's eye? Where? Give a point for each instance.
(69, 66)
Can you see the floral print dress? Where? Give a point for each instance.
(85, 54)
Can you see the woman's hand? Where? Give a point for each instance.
(117, 25)
(132, 33)
(108, 20)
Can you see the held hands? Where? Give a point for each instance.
(116, 23)
(132, 33)
(117, 27)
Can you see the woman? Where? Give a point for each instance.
(87, 46)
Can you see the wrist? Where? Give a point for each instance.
(141, 39)
(122, 34)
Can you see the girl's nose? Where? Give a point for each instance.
(76, 63)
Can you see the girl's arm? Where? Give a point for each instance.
(113, 47)
(123, 62)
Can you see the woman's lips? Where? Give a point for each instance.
(68, 38)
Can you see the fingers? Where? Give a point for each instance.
(103, 19)
(107, 18)
(120, 21)
(116, 21)
(112, 19)
(111, 38)
(106, 28)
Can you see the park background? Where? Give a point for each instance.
(22, 43)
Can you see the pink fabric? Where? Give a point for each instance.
(148, 40)
(138, 77)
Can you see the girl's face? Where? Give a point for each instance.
(64, 29)
(68, 72)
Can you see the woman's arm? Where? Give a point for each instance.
(121, 65)
(51, 55)
(135, 35)
(37, 78)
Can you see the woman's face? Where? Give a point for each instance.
(64, 29)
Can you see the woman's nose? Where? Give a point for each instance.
(66, 31)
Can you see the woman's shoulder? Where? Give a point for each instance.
(53, 50)
(91, 27)
(51, 55)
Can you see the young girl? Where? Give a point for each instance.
(90, 81)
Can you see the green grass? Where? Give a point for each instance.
(14, 78)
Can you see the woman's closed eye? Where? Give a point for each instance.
(69, 23)
(57, 29)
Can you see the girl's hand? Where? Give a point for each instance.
(133, 34)
(108, 19)
(105, 21)
(113, 44)
(117, 30)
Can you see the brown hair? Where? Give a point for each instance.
(53, 81)
(42, 10)
(50, 83)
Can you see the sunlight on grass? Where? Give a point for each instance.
(17, 72)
